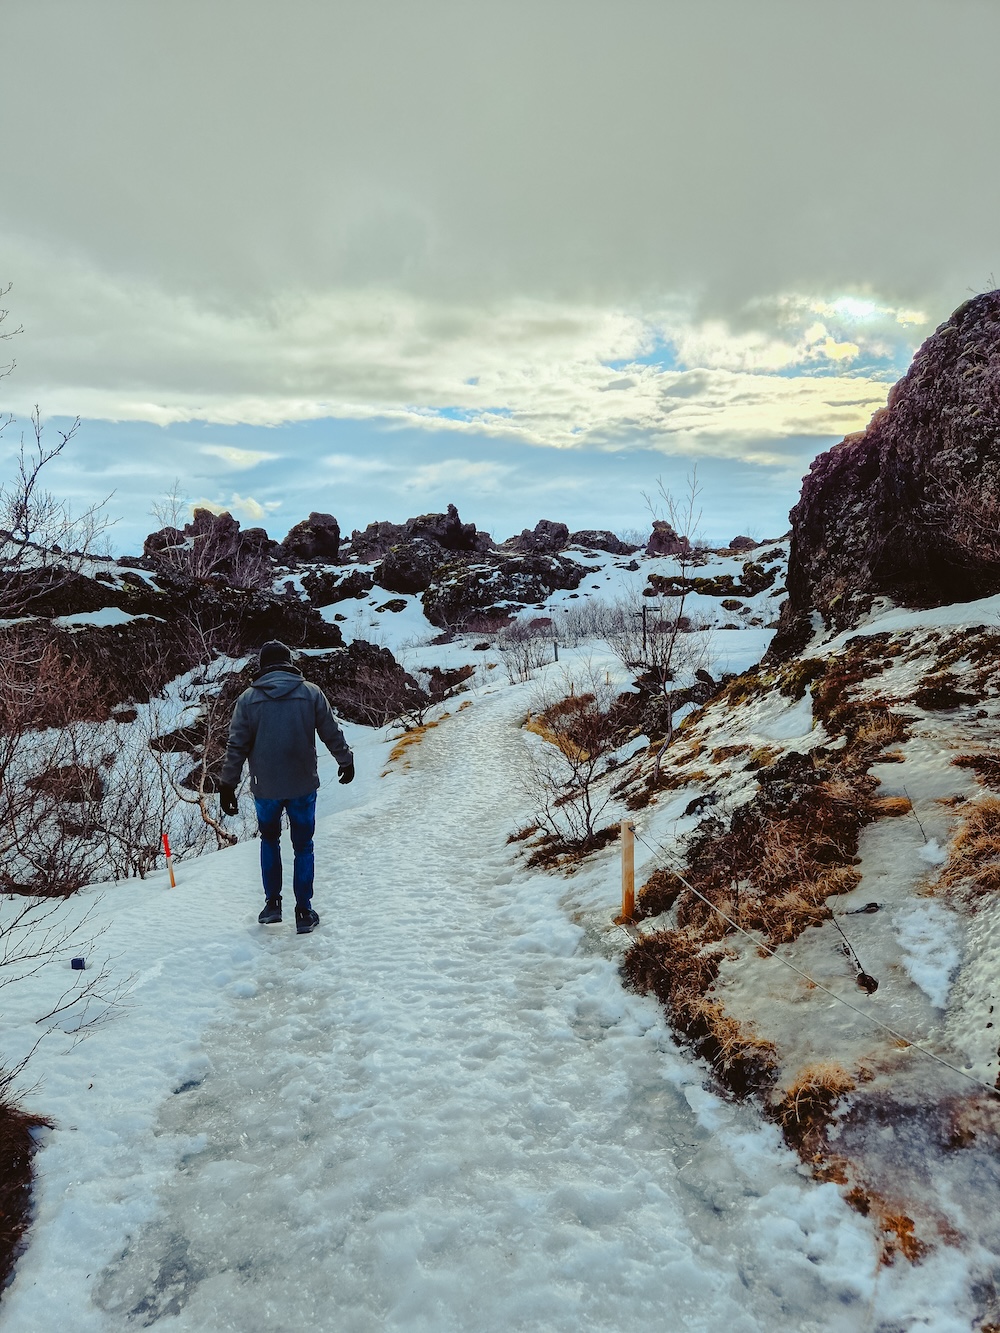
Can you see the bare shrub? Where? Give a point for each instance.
(523, 648)
(210, 546)
(579, 725)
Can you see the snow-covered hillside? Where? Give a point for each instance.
(444, 1110)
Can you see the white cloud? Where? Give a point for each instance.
(548, 373)
(245, 507)
(477, 478)
(241, 459)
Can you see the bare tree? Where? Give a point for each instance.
(654, 636)
(578, 724)
(42, 543)
(207, 545)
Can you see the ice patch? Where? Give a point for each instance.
(933, 853)
(790, 723)
(929, 939)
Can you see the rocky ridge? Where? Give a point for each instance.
(908, 509)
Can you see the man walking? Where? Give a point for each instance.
(275, 725)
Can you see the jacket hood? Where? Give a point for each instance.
(278, 682)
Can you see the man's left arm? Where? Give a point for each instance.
(332, 737)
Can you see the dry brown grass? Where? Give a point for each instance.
(658, 894)
(985, 766)
(899, 1234)
(724, 752)
(541, 725)
(411, 738)
(897, 1230)
(16, 1150)
(550, 852)
(877, 726)
(974, 854)
(891, 807)
(674, 966)
(763, 757)
(805, 1108)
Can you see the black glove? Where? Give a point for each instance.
(346, 772)
(227, 799)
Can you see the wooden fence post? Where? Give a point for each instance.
(170, 861)
(628, 870)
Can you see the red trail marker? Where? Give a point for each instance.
(170, 861)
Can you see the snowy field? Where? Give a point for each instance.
(440, 1112)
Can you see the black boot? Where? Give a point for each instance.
(305, 920)
(271, 914)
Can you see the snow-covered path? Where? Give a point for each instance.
(440, 1112)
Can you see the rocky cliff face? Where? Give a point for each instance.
(909, 508)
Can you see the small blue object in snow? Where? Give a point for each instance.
(77, 964)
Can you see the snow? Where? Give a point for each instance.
(440, 1111)
(108, 615)
(787, 722)
(885, 618)
(930, 940)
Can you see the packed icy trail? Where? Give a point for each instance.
(439, 1112)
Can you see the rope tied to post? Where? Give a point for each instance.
(662, 854)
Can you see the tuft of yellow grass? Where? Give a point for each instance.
(891, 807)
(413, 737)
(807, 1104)
(974, 855)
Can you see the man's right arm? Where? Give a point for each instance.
(241, 740)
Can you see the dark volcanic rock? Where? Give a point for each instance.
(365, 684)
(665, 541)
(601, 540)
(467, 589)
(315, 538)
(213, 546)
(546, 538)
(410, 566)
(129, 663)
(446, 531)
(375, 540)
(908, 508)
(324, 589)
(743, 544)
(57, 591)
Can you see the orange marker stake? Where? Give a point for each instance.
(170, 861)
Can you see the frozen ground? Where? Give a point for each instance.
(439, 1112)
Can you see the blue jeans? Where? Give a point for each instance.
(302, 825)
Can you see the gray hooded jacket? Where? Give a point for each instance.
(275, 725)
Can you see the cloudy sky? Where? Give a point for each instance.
(370, 257)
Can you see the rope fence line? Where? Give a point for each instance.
(662, 854)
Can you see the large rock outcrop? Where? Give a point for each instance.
(496, 587)
(446, 531)
(315, 538)
(910, 508)
(600, 539)
(664, 540)
(213, 546)
(546, 538)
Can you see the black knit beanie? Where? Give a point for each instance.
(275, 654)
